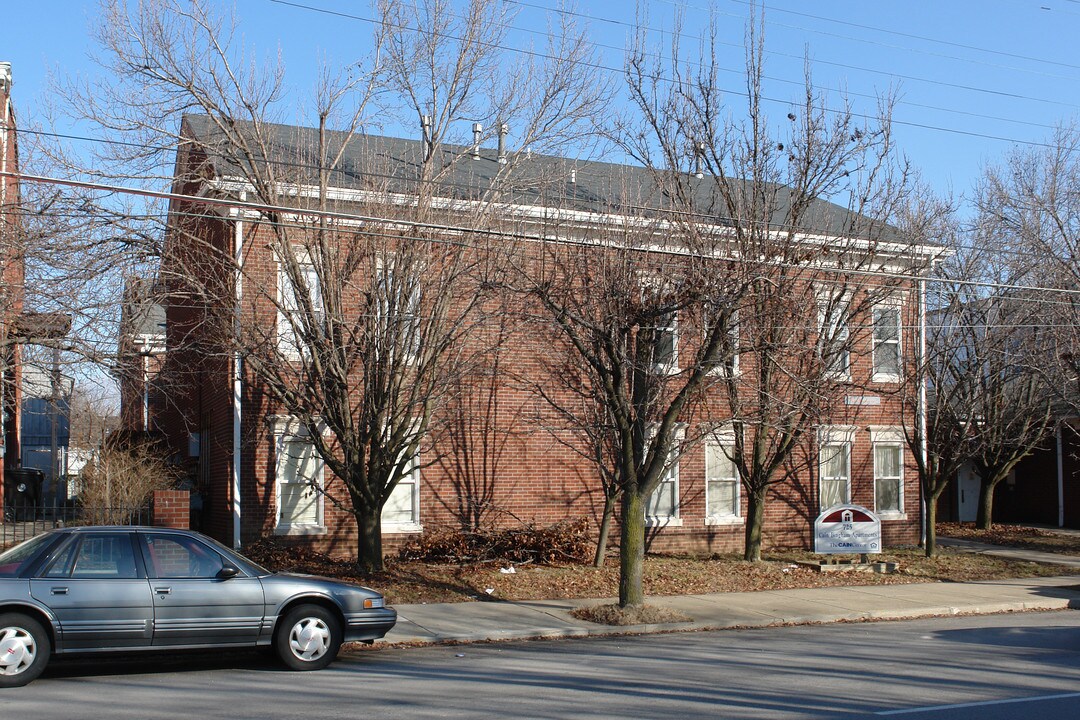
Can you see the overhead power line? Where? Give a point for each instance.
(529, 237)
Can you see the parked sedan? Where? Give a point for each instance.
(94, 589)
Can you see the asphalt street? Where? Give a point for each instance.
(1013, 666)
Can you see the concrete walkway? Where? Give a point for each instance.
(517, 620)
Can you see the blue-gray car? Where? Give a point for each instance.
(95, 589)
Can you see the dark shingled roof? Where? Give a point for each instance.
(375, 161)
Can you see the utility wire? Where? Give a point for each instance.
(509, 234)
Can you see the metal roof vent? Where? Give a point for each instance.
(504, 130)
(477, 130)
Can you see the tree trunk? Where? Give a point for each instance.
(632, 552)
(605, 530)
(931, 526)
(369, 557)
(755, 519)
(985, 517)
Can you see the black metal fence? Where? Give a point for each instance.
(21, 522)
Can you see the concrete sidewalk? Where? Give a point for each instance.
(518, 620)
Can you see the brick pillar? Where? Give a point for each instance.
(171, 508)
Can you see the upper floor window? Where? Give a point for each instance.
(886, 340)
(397, 294)
(833, 337)
(665, 343)
(296, 319)
(728, 354)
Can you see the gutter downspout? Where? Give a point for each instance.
(1060, 479)
(921, 410)
(237, 376)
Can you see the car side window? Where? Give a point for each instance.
(63, 561)
(175, 556)
(98, 556)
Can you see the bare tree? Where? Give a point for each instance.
(728, 232)
(358, 331)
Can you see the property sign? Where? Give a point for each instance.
(847, 529)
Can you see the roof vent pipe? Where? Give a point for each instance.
(425, 128)
(573, 175)
(504, 130)
(477, 129)
(699, 153)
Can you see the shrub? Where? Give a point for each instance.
(566, 541)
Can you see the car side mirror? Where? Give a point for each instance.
(228, 571)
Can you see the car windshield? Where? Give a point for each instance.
(13, 561)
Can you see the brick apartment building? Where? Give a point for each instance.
(241, 452)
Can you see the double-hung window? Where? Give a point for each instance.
(833, 336)
(299, 480)
(665, 343)
(886, 341)
(721, 480)
(662, 507)
(728, 365)
(397, 293)
(834, 466)
(888, 444)
(296, 319)
(401, 511)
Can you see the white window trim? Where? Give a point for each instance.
(287, 343)
(670, 520)
(403, 528)
(723, 437)
(286, 428)
(887, 435)
(842, 435)
(385, 273)
(839, 306)
(881, 377)
(722, 370)
(671, 367)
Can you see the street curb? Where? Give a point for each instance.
(991, 608)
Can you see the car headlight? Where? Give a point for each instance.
(371, 603)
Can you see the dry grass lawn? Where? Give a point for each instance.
(417, 582)
(1015, 536)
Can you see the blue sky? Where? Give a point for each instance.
(974, 78)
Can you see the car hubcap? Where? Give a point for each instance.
(17, 650)
(309, 639)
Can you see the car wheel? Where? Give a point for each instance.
(24, 649)
(308, 638)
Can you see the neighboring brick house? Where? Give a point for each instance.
(11, 279)
(140, 353)
(243, 456)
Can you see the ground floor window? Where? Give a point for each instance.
(299, 480)
(721, 483)
(401, 512)
(888, 444)
(662, 507)
(834, 466)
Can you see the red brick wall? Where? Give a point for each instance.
(171, 508)
(533, 479)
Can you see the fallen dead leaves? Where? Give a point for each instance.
(418, 582)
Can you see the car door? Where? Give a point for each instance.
(98, 592)
(195, 602)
